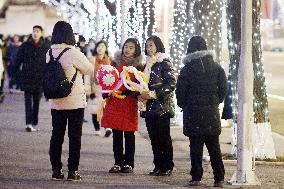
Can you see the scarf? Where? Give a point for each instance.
(104, 61)
(127, 61)
(150, 61)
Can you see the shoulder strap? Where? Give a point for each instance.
(50, 54)
(62, 52)
(74, 77)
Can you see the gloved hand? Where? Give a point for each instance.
(127, 92)
(92, 96)
(105, 95)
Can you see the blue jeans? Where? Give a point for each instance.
(32, 100)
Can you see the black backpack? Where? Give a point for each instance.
(55, 82)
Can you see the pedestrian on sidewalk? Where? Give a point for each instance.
(2, 68)
(11, 55)
(160, 105)
(29, 63)
(201, 87)
(1, 72)
(81, 44)
(93, 89)
(69, 109)
(121, 115)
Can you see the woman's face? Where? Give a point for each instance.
(101, 49)
(151, 48)
(129, 49)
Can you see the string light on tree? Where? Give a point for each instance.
(263, 143)
(195, 18)
(180, 31)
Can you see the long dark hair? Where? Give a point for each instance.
(63, 33)
(137, 46)
(158, 43)
(96, 46)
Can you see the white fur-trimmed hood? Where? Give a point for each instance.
(160, 57)
(197, 55)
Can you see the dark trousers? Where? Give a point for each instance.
(196, 152)
(2, 85)
(32, 100)
(95, 122)
(59, 122)
(161, 141)
(128, 157)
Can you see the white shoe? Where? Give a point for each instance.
(98, 133)
(35, 127)
(30, 128)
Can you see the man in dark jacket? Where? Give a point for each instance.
(30, 61)
(201, 87)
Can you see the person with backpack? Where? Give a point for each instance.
(30, 61)
(69, 109)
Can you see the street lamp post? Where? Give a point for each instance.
(244, 174)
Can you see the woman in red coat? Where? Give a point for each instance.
(121, 115)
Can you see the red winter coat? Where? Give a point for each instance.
(121, 114)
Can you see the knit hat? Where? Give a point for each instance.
(196, 43)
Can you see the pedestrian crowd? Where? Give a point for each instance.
(199, 89)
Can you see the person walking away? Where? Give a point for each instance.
(1, 73)
(94, 90)
(121, 115)
(2, 69)
(30, 62)
(69, 109)
(160, 105)
(11, 55)
(201, 87)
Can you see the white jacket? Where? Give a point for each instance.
(91, 87)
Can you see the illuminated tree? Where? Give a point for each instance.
(180, 34)
(195, 17)
(263, 144)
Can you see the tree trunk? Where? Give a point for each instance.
(234, 41)
(260, 96)
(195, 18)
(180, 34)
(263, 143)
(148, 18)
(208, 16)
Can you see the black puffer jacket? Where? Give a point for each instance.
(30, 61)
(162, 81)
(201, 87)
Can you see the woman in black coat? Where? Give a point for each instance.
(201, 87)
(160, 106)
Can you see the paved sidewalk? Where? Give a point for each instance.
(25, 161)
